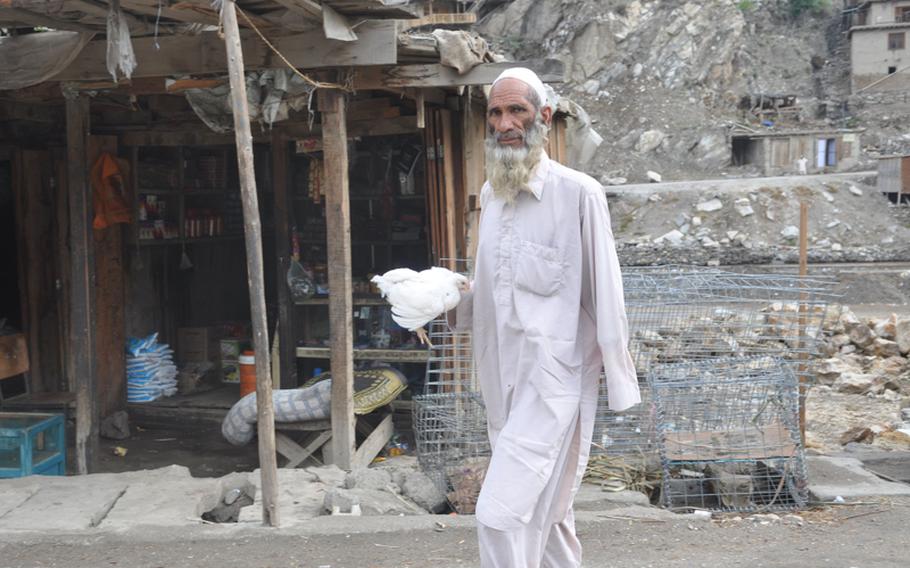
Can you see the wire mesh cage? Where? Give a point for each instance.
(728, 434)
(681, 314)
(450, 424)
(677, 316)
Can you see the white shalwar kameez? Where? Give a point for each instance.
(547, 313)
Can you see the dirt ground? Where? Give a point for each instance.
(202, 449)
(862, 536)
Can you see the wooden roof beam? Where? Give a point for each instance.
(35, 19)
(437, 75)
(101, 10)
(204, 53)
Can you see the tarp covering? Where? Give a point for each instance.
(27, 60)
(270, 94)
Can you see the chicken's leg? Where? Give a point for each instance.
(422, 335)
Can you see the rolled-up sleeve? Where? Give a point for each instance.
(603, 299)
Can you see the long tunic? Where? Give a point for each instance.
(547, 314)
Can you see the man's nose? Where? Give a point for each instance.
(505, 123)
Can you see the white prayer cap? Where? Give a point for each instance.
(530, 79)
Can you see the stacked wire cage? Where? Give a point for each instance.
(728, 432)
(677, 315)
(450, 422)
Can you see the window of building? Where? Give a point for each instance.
(892, 69)
(896, 40)
(902, 14)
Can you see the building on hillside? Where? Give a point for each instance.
(894, 177)
(778, 153)
(879, 50)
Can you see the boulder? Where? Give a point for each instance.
(790, 232)
(710, 205)
(116, 426)
(744, 207)
(369, 478)
(858, 435)
(861, 335)
(649, 141)
(421, 489)
(654, 177)
(859, 383)
(829, 370)
(885, 348)
(886, 328)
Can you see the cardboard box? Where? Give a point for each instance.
(13, 355)
(197, 344)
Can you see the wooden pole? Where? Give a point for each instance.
(338, 237)
(268, 468)
(803, 272)
(287, 363)
(82, 272)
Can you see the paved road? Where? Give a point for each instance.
(734, 184)
(863, 536)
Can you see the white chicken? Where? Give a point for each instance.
(418, 298)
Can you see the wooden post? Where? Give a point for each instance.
(268, 468)
(287, 363)
(338, 237)
(803, 272)
(82, 274)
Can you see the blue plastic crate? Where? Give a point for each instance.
(32, 443)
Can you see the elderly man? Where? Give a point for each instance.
(547, 314)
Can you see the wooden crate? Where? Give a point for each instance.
(13, 355)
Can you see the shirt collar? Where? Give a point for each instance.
(540, 176)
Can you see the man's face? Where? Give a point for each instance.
(510, 113)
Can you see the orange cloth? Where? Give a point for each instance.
(109, 193)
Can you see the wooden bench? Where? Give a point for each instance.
(317, 435)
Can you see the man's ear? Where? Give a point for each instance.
(546, 113)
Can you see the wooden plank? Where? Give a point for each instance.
(448, 188)
(390, 355)
(294, 452)
(287, 363)
(474, 169)
(82, 268)
(110, 301)
(205, 53)
(136, 25)
(462, 19)
(35, 19)
(374, 443)
(338, 249)
(437, 75)
(432, 181)
(13, 355)
(375, 8)
(771, 441)
(170, 13)
(306, 8)
(265, 422)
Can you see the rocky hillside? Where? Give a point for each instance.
(664, 80)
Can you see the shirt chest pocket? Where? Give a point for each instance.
(538, 269)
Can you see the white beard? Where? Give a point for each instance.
(509, 169)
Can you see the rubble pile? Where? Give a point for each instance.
(862, 394)
(848, 222)
(664, 80)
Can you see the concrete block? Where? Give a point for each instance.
(830, 477)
